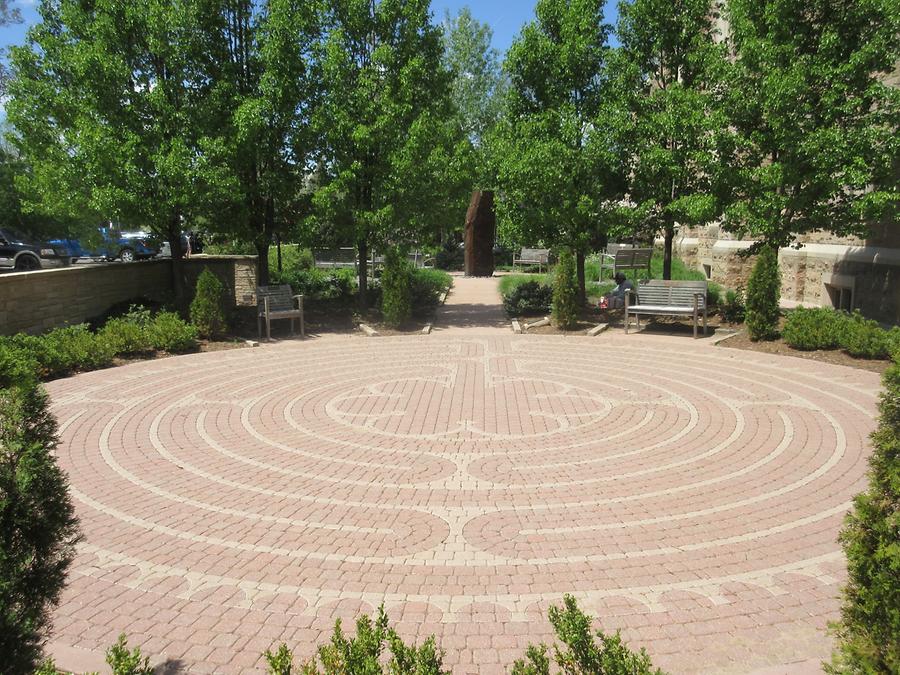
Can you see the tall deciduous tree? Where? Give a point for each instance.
(269, 85)
(112, 108)
(552, 170)
(384, 121)
(668, 68)
(817, 141)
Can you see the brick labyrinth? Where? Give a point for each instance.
(688, 495)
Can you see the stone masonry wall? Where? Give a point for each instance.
(868, 270)
(34, 302)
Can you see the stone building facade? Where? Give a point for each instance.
(826, 271)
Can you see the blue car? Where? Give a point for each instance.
(114, 245)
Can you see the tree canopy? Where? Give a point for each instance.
(815, 144)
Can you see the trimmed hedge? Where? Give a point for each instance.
(810, 329)
(869, 631)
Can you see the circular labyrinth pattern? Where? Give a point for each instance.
(689, 496)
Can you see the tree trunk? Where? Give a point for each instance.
(262, 262)
(667, 251)
(579, 270)
(177, 251)
(363, 250)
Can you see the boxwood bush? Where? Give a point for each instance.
(169, 332)
(426, 288)
(814, 328)
(528, 299)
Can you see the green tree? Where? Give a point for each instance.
(38, 529)
(668, 71)
(815, 143)
(386, 125)
(267, 79)
(478, 87)
(869, 631)
(553, 170)
(113, 110)
(763, 296)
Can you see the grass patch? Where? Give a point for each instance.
(510, 282)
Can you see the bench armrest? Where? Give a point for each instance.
(299, 299)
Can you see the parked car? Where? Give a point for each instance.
(114, 245)
(21, 253)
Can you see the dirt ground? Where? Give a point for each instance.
(837, 357)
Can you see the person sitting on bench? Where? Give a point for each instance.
(616, 298)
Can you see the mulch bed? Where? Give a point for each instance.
(836, 357)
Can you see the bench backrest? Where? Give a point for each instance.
(536, 254)
(633, 258)
(281, 298)
(333, 256)
(672, 293)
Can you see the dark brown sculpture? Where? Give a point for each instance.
(481, 223)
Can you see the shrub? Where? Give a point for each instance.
(66, 350)
(124, 661)
(529, 298)
(363, 653)
(869, 631)
(315, 284)
(814, 328)
(733, 309)
(38, 529)
(426, 288)
(452, 256)
(763, 295)
(170, 333)
(281, 662)
(864, 338)
(208, 306)
(396, 298)
(125, 337)
(565, 292)
(580, 653)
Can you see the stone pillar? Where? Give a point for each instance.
(481, 223)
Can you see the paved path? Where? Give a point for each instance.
(473, 305)
(688, 495)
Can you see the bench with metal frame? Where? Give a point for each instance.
(277, 302)
(528, 257)
(668, 298)
(637, 259)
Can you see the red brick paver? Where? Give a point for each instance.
(687, 495)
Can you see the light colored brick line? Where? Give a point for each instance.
(451, 605)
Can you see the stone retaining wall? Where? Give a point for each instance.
(33, 302)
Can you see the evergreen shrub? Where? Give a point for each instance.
(528, 299)
(580, 653)
(208, 306)
(809, 329)
(565, 292)
(864, 338)
(763, 295)
(426, 288)
(733, 309)
(396, 295)
(170, 333)
(38, 528)
(869, 631)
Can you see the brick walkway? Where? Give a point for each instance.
(688, 495)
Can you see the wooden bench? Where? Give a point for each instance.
(277, 302)
(668, 298)
(343, 258)
(529, 257)
(626, 259)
